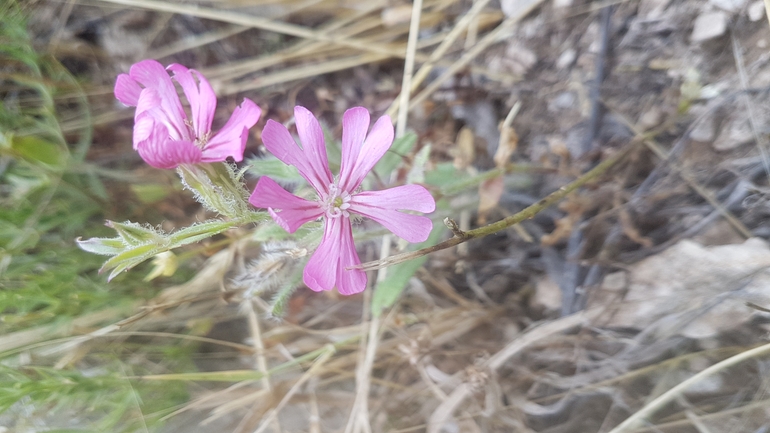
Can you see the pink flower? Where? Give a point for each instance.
(339, 197)
(163, 134)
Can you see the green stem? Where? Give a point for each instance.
(529, 212)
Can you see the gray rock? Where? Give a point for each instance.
(735, 133)
(562, 101)
(756, 10)
(709, 25)
(566, 59)
(705, 130)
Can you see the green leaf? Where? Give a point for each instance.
(443, 174)
(417, 173)
(102, 246)
(393, 157)
(128, 259)
(275, 169)
(37, 149)
(149, 193)
(469, 182)
(389, 289)
(199, 232)
(134, 234)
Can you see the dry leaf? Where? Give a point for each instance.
(562, 231)
(490, 192)
(509, 140)
(631, 231)
(547, 296)
(465, 148)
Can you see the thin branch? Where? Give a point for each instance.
(525, 214)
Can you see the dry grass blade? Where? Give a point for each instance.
(312, 371)
(657, 404)
(447, 408)
(258, 22)
(305, 71)
(411, 49)
(491, 38)
(232, 70)
(196, 42)
(439, 52)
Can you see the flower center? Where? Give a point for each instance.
(198, 141)
(202, 141)
(336, 203)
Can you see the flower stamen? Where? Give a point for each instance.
(335, 204)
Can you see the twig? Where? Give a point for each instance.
(657, 404)
(406, 83)
(573, 276)
(525, 214)
(596, 106)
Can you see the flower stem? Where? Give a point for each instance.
(527, 213)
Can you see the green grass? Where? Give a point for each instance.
(49, 195)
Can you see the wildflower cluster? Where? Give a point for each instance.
(168, 137)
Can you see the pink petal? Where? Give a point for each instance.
(146, 126)
(288, 210)
(279, 142)
(355, 123)
(200, 95)
(231, 139)
(152, 75)
(384, 206)
(349, 282)
(313, 145)
(161, 152)
(321, 270)
(376, 144)
(150, 104)
(127, 90)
